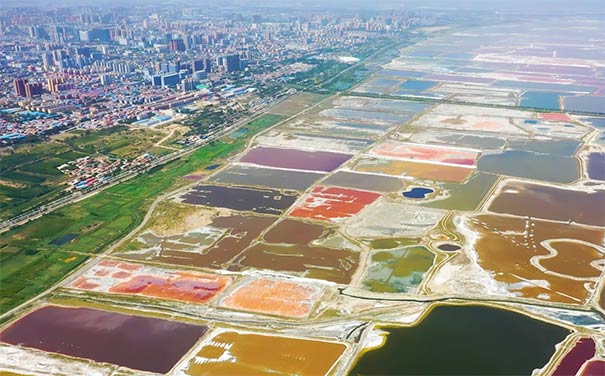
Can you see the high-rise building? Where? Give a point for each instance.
(19, 84)
(33, 89)
(174, 67)
(105, 79)
(189, 84)
(231, 63)
(95, 35)
(197, 65)
(53, 84)
(47, 59)
(176, 45)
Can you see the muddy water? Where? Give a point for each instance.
(573, 259)
(542, 201)
(295, 159)
(290, 231)
(334, 265)
(136, 342)
(263, 201)
(506, 246)
(425, 171)
(231, 353)
(240, 231)
(464, 340)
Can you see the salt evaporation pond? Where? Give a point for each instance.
(137, 342)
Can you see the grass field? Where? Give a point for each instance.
(29, 177)
(30, 264)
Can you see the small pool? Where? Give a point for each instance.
(212, 167)
(418, 192)
(448, 247)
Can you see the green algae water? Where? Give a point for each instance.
(464, 340)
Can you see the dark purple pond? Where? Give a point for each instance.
(140, 343)
(266, 201)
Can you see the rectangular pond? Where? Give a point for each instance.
(295, 159)
(265, 201)
(137, 342)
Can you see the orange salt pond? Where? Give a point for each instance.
(420, 170)
(230, 353)
(277, 297)
(154, 282)
(539, 259)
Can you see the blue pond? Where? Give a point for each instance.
(541, 99)
(417, 85)
(212, 167)
(418, 192)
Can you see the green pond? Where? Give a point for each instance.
(464, 340)
(398, 270)
(465, 196)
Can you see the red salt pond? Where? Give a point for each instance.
(194, 288)
(576, 357)
(331, 203)
(136, 342)
(594, 368)
(555, 117)
(430, 153)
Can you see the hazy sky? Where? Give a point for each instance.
(528, 5)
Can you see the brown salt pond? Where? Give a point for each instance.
(136, 342)
(290, 231)
(420, 170)
(264, 201)
(240, 231)
(547, 202)
(336, 265)
(295, 159)
(230, 353)
(524, 255)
